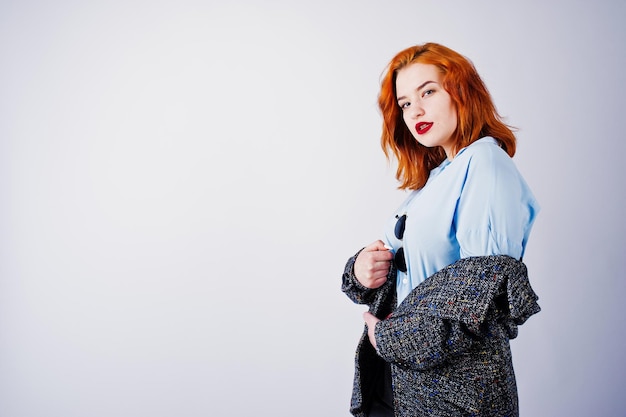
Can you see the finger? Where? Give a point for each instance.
(378, 245)
(381, 254)
(379, 275)
(370, 319)
(382, 257)
(376, 268)
(367, 316)
(381, 266)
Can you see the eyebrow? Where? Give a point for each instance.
(422, 85)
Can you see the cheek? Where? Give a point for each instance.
(453, 119)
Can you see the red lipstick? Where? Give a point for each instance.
(422, 127)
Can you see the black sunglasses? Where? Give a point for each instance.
(398, 259)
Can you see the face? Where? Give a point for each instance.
(427, 108)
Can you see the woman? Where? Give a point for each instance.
(446, 287)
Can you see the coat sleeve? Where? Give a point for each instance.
(453, 310)
(421, 341)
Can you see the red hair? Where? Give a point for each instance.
(476, 114)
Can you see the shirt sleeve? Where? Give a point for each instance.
(491, 217)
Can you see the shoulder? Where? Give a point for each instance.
(485, 149)
(486, 156)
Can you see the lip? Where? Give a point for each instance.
(423, 127)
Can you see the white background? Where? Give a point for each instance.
(182, 182)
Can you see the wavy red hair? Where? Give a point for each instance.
(476, 114)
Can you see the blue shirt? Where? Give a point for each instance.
(476, 204)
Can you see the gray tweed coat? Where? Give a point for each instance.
(448, 341)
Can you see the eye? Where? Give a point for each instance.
(405, 105)
(428, 92)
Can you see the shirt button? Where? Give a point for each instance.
(404, 281)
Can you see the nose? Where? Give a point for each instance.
(416, 110)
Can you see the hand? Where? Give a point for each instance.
(372, 265)
(370, 321)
